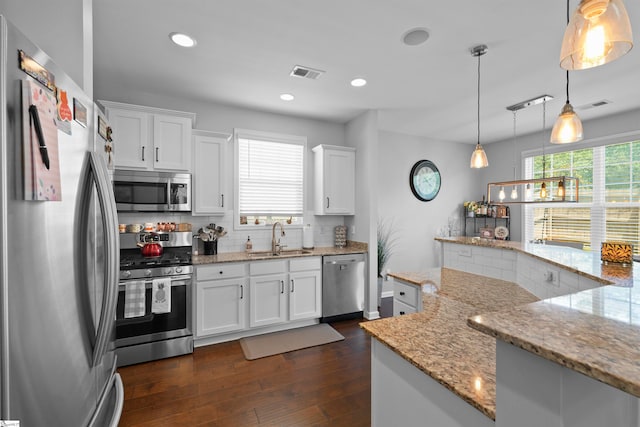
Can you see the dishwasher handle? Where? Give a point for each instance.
(344, 261)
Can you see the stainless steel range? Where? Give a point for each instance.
(144, 332)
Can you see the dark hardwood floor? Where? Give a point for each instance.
(328, 385)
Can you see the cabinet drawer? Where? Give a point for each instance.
(267, 267)
(405, 293)
(305, 264)
(220, 271)
(400, 308)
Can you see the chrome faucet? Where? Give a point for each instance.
(276, 247)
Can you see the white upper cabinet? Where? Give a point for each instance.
(334, 177)
(209, 184)
(150, 138)
(171, 142)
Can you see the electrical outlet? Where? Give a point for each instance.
(353, 230)
(552, 277)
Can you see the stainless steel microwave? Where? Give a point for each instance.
(145, 191)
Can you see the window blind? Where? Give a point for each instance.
(270, 177)
(609, 208)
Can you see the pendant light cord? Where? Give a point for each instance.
(514, 145)
(479, 55)
(544, 117)
(567, 69)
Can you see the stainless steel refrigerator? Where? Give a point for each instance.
(59, 250)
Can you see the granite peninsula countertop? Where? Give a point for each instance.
(584, 263)
(438, 340)
(351, 248)
(595, 332)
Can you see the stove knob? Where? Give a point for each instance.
(147, 273)
(178, 269)
(126, 274)
(167, 271)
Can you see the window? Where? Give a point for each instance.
(269, 178)
(609, 203)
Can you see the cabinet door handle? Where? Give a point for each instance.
(402, 312)
(282, 286)
(221, 272)
(327, 203)
(222, 196)
(292, 285)
(241, 291)
(401, 293)
(143, 153)
(157, 149)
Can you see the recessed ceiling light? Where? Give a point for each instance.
(287, 97)
(415, 36)
(182, 39)
(358, 82)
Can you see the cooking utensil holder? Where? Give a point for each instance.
(211, 248)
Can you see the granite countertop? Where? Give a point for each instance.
(595, 332)
(351, 248)
(430, 277)
(438, 340)
(584, 263)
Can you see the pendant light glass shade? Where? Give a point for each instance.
(599, 32)
(568, 127)
(479, 157)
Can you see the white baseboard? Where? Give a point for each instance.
(386, 294)
(220, 338)
(371, 315)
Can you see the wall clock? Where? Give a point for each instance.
(424, 180)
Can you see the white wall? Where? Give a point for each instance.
(362, 133)
(63, 29)
(500, 154)
(416, 223)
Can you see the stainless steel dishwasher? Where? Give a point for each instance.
(342, 286)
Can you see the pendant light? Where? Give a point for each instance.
(566, 187)
(568, 127)
(479, 157)
(599, 32)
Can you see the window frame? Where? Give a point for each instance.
(599, 229)
(239, 133)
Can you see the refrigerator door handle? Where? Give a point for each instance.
(110, 225)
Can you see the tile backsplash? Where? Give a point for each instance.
(234, 241)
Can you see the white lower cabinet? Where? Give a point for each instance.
(305, 295)
(407, 298)
(220, 306)
(268, 303)
(241, 298)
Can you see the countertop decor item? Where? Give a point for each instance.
(341, 236)
(424, 180)
(616, 252)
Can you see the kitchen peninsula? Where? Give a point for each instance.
(571, 359)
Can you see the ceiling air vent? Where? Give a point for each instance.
(306, 72)
(593, 105)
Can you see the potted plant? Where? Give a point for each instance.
(386, 241)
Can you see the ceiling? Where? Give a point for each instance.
(246, 49)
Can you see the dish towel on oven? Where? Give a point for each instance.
(161, 296)
(134, 299)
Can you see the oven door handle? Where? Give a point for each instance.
(149, 282)
(135, 320)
